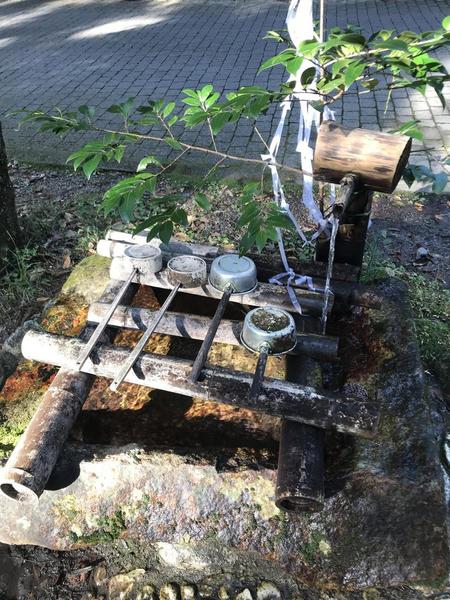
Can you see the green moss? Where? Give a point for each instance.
(89, 278)
(67, 507)
(315, 547)
(108, 529)
(430, 304)
(19, 400)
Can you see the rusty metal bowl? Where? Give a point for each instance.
(187, 271)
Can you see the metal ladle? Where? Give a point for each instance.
(268, 331)
(230, 274)
(182, 271)
(144, 259)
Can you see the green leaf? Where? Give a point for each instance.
(211, 100)
(280, 220)
(261, 240)
(409, 128)
(202, 201)
(165, 232)
(308, 75)
(279, 59)
(179, 216)
(245, 244)
(370, 83)
(148, 119)
(190, 93)
(168, 109)
(292, 66)
(392, 45)
(192, 101)
(126, 208)
(147, 160)
(205, 92)
(331, 85)
(309, 48)
(90, 166)
(446, 23)
(219, 121)
(352, 73)
(87, 111)
(173, 143)
(119, 152)
(353, 38)
(317, 105)
(248, 214)
(124, 109)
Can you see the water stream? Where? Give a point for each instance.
(327, 291)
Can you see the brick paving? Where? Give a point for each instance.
(71, 52)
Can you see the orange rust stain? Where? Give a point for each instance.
(29, 375)
(129, 396)
(67, 316)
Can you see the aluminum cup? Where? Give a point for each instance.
(233, 270)
(269, 327)
(147, 259)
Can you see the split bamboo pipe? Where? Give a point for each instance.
(278, 398)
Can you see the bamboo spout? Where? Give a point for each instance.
(377, 158)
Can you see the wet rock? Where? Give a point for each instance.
(8, 364)
(267, 591)
(88, 279)
(122, 586)
(205, 590)
(13, 342)
(244, 595)
(223, 594)
(146, 593)
(99, 576)
(188, 592)
(169, 592)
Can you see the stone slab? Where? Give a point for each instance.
(196, 481)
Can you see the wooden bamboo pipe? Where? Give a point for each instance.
(29, 467)
(377, 158)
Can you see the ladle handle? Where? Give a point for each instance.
(258, 377)
(202, 355)
(104, 322)
(132, 358)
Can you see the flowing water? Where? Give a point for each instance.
(327, 291)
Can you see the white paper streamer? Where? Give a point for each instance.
(300, 26)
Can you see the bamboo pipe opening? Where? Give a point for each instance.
(298, 504)
(12, 485)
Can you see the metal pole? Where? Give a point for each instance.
(104, 322)
(259, 372)
(322, 20)
(144, 339)
(202, 355)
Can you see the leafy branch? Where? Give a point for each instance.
(324, 70)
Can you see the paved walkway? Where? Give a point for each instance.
(71, 52)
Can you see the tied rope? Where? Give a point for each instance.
(300, 26)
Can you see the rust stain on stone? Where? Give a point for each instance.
(67, 316)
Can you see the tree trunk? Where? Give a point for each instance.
(9, 226)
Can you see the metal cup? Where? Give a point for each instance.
(232, 270)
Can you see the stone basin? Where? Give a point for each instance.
(192, 482)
